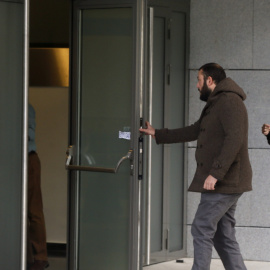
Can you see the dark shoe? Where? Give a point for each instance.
(39, 265)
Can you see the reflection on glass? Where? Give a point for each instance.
(157, 150)
(105, 85)
(11, 106)
(167, 170)
(176, 119)
(105, 120)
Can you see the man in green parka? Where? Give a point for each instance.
(223, 168)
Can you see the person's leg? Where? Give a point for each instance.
(30, 256)
(211, 209)
(225, 241)
(37, 231)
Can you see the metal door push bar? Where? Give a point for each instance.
(70, 153)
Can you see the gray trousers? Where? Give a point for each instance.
(213, 225)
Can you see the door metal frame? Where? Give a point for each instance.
(140, 85)
(162, 12)
(139, 7)
(25, 136)
(166, 6)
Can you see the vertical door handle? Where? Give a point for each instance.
(140, 156)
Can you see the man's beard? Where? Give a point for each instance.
(205, 92)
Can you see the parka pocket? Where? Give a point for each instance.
(232, 177)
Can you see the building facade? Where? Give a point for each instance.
(236, 35)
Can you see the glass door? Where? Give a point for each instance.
(165, 186)
(104, 181)
(14, 16)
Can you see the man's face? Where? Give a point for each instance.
(203, 88)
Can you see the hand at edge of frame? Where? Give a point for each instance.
(265, 129)
(149, 130)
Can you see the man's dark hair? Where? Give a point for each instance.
(213, 70)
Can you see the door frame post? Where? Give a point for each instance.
(139, 88)
(25, 137)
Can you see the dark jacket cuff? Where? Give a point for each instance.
(268, 137)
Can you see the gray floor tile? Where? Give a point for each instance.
(215, 265)
(57, 263)
(60, 264)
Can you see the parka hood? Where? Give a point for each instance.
(228, 85)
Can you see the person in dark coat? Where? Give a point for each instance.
(223, 167)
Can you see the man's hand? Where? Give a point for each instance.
(149, 130)
(265, 129)
(209, 183)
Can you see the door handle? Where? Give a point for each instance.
(70, 152)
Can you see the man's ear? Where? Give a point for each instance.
(210, 82)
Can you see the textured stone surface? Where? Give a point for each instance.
(193, 198)
(221, 31)
(236, 34)
(216, 264)
(254, 207)
(256, 85)
(195, 104)
(261, 39)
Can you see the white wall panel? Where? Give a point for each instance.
(51, 105)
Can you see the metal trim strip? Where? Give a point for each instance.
(25, 136)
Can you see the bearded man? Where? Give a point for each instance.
(223, 171)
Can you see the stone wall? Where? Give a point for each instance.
(236, 34)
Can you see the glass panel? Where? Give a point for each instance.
(14, 1)
(157, 151)
(176, 119)
(11, 101)
(106, 84)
